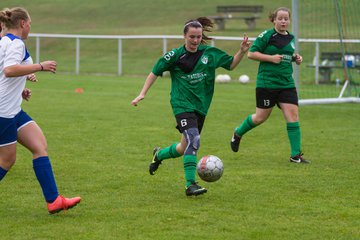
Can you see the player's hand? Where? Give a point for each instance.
(137, 100)
(31, 78)
(298, 59)
(26, 94)
(245, 44)
(277, 58)
(49, 66)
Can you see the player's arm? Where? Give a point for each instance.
(18, 70)
(244, 47)
(258, 56)
(148, 83)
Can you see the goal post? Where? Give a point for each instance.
(328, 35)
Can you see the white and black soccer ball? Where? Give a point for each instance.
(210, 168)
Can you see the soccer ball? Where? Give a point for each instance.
(210, 168)
(223, 78)
(244, 79)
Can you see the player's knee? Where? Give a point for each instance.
(7, 161)
(193, 141)
(39, 150)
(260, 118)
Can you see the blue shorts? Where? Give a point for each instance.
(10, 126)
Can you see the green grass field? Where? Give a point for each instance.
(101, 146)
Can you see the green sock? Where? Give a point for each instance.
(168, 152)
(245, 126)
(294, 134)
(190, 162)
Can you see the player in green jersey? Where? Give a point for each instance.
(275, 50)
(192, 67)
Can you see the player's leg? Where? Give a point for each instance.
(264, 104)
(192, 137)
(289, 106)
(173, 151)
(8, 139)
(191, 126)
(7, 158)
(31, 136)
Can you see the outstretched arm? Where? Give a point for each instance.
(244, 47)
(148, 82)
(18, 70)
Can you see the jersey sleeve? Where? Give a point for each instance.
(14, 54)
(222, 59)
(260, 43)
(165, 63)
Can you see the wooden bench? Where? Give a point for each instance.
(236, 12)
(331, 60)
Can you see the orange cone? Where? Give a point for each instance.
(79, 90)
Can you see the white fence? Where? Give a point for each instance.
(164, 39)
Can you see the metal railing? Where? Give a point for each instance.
(164, 39)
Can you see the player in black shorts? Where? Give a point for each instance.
(192, 69)
(275, 50)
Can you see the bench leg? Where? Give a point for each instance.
(250, 23)
(220, 24)
(326, 75)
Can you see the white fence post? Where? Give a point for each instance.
(317, 62)
(37, 49)
(77, 63)
(120, 57)
(164, 46)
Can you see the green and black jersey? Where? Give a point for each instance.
(192, 76)
(272, 75)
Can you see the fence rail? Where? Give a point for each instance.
(164, 39)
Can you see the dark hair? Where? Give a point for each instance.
(272, 15)
(11, 17)
(201, 22)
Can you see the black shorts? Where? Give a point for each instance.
(267, 97)
(188, 120)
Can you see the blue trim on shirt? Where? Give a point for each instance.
(27, 54)
(12, 38)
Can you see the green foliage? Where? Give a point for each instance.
(100, 147)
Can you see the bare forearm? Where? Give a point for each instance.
(237, 59)
(21, 70)
(258, 56)
(148, 83)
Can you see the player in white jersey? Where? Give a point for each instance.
(16, 65)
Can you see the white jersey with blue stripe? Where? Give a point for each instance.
(12, 52)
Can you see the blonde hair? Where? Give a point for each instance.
(11, 17)
(272, 15)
